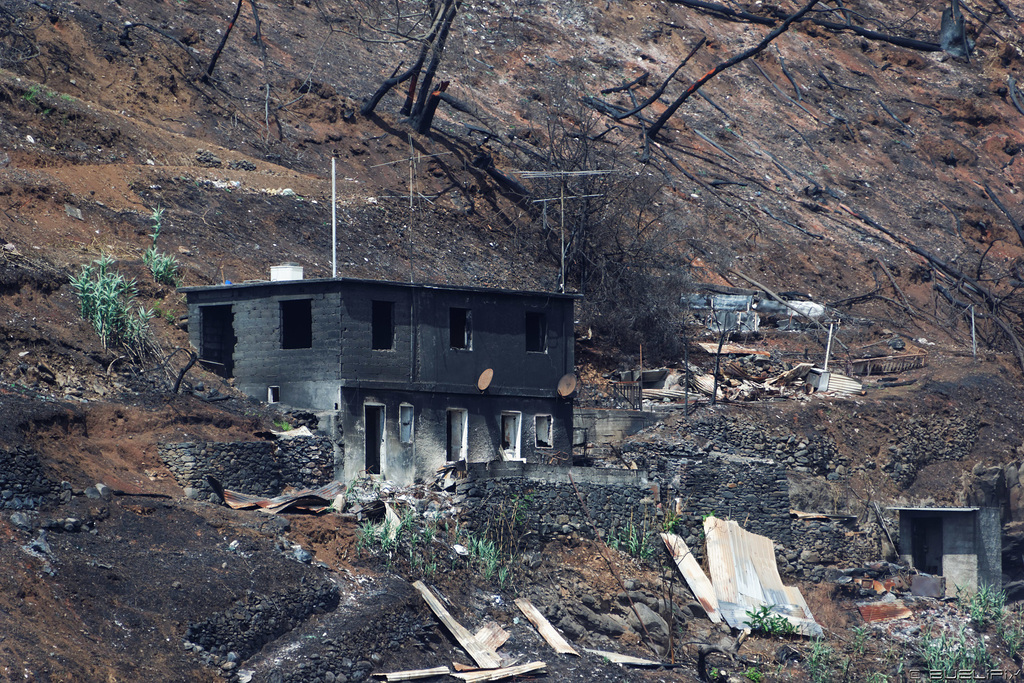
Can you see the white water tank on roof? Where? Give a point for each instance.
(285, 272)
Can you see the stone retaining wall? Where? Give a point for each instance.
(257, 619)
(723, 435)
(540, 505)
(253, 467)
(23, 483)
(537, 510)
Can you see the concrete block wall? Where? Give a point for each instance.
(259, 358)
(360, 360)
(254, 467)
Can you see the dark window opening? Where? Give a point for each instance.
(382, 322)
(536, 332)
(217, 339)
(273, 394)
(545, 438)
(459, 331)
(297, 324)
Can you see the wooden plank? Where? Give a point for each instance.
(884, 611)
(616, 658)
(491, 635)
(393, 522)
(498, 674)
(547, 631)
(414, 674)
(485, 659)
(731, 349)
(694, 576)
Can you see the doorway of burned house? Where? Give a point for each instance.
(926, 543)
(457, 436)
(375, 454)
(511, 426)
(217, 339)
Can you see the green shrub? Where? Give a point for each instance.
(821, 662)
(107, 300)
(987, 605)
(766, 621)
(164, 267)
(951, 653)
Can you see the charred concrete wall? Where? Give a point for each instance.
(364, 348)
(254, 467)
(23, 482)
(418, 457)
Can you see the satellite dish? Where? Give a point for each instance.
(567, 385)
(484, 380)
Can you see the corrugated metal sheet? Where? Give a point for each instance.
(843, 385)
(314, 500)
(746, 578)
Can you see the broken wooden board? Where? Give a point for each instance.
(884, 611)
(484, 657)
(798, 372)
(392, 522)
(695, 577)
(414, 674)
(731, 349)
(491, 635)
(628, 660)
(498, 674)
(547, 631)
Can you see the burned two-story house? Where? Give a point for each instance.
(417, 375)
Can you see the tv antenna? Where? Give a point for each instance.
(562, 175)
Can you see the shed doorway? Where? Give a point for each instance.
(926, 543)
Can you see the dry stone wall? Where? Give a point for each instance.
(917, 441)
(538, 503)
(256, 620)
(23, 483)
(254, 467)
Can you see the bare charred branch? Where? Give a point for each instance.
(911, 43)
(726, 12)
(154, 29)
(639, 80)
(657, 93)
(1013, 221)
(735, 15)
(223, 41)
(668, 113)
(1015, 94)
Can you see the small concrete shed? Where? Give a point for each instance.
(962, 544)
